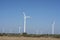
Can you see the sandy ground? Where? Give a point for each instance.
(26, 38)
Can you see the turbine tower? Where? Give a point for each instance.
(53, 27)
(25, 17)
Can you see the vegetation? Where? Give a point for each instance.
(31, 35)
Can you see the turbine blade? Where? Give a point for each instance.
(24, 13)
(28, 16)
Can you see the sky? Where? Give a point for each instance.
(42, 13)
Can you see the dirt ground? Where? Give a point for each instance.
(26, 38)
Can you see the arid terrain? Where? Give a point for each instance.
(26, 38)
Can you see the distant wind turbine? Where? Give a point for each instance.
(41, 32)
(10, 31)
(53, 27)
(19, 29)
(37, 32)
(25, 17)
(2, 30)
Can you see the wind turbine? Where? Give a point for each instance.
(53, 27)
(36, 31)
(25, 17)
(10, 31)
(2, 30)
(19, 30)
(41, 32)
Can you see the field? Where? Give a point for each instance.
(27, 38)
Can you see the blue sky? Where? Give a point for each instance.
(43, 13)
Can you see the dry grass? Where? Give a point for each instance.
(26, 38)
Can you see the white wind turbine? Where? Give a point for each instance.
(19, 29)
(2, 30)
(25, 17)
(36, 31)
(53, 27)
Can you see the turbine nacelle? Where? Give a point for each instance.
(53, 24)
(26, 16)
